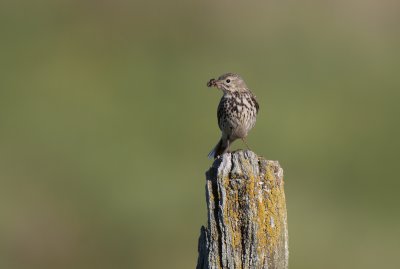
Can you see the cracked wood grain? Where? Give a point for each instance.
(247, 219)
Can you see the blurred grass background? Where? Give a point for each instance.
(105, 124)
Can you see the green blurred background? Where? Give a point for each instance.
(106, 122)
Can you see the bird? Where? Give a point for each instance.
(237, 111)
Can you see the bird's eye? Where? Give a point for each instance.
(228, 80)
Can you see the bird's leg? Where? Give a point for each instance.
(229, 144)
(244, 141)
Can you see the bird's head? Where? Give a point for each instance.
(229, 83)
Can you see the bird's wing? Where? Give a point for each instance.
(255, 103)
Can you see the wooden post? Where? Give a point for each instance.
(247, 220)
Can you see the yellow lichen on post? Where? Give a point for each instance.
(274, 199)
(247, 225)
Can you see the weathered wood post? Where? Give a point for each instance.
(247, 220)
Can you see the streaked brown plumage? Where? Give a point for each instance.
(237, 111)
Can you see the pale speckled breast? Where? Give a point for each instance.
(237, 114)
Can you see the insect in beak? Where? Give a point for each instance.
(212, 83)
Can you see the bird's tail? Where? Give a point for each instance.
(219, 149)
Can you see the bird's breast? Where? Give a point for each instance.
(236, 114)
